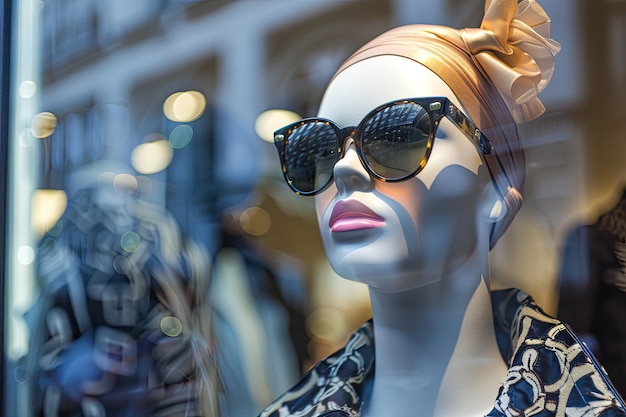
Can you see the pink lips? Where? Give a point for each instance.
(348, 215)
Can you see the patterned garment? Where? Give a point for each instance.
(120, 325)
(550, 372)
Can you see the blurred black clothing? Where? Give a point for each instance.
(592, 293)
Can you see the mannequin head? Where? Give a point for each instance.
(434, 220)
(439, 211)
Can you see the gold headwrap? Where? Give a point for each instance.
(496, 71)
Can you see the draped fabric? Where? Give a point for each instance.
(496, 71)
(551, 373)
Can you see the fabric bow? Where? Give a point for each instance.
(514, 48)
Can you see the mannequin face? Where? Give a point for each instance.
(399, 236)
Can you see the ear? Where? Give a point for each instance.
(493, 207)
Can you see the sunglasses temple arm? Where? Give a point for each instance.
(475, 135)
(468, 128)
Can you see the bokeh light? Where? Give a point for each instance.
(47, 208)
(125, 183)
(152, 157)
(28, 89)
(43, 125)
(105, 179)
(184, 106)
(25, 255)
(255, 221)
(20, 374)
(25, 139)
(56, 229)
(144, 185)
(171, 326)
(181, 136)
(130, 241)
(327, 325)
(270, 120)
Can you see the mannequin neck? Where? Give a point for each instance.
(431, 343)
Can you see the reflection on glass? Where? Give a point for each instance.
(120, 326)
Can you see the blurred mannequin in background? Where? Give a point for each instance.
(417, 170)
(257, 321)
(122, 324)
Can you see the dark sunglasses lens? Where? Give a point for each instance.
(395, 140)
(310, 155)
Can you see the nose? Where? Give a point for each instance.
(349, 173)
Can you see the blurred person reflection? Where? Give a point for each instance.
(592, 288)
(121, 326)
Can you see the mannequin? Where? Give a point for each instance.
(419, 235)
(420, 271)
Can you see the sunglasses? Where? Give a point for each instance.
(393, 142)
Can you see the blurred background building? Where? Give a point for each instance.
(185, 94)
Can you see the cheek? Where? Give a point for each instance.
(407, 194)
(322, 201)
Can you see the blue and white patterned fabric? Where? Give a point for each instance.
(121, 325)
(551, 373)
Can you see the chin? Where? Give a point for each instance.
(390, 282)
(384, 270)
